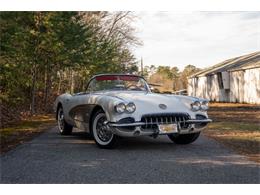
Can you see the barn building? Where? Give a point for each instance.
(234, 80)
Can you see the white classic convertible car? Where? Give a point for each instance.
(120, 105)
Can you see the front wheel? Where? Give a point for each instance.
(184, 138)
(103, 137)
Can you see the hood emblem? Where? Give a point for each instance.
(162, 106)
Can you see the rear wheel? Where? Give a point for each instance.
(103, 137)
(64, 127)
(184, 138)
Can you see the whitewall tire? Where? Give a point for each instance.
(103, 137)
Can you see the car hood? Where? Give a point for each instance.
(143, 97)
(149, 102)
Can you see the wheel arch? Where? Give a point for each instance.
(94, 110)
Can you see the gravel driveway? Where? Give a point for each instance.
(51, 158)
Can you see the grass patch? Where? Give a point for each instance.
(234, 126)
(223, 105)
(237, 126)
(239, 136)
(24, 130)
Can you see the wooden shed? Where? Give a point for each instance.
(234, 80)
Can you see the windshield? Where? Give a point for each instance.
(117, 82)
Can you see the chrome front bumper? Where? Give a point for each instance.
(118, 128)
(191, 121)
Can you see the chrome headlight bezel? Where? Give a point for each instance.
(204, 105)
(130, 107)
(195, 106)
(120, 108)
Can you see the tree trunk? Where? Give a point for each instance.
(32, 109)
(59, 84)
(45, 85)
(71, 82)
(49, 91)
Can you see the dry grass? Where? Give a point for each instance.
(236, 126)
(24, 130)
(233, 105)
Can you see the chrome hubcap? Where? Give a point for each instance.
(103, 131)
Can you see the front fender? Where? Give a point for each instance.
(107, 103)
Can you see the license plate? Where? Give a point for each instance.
(169, 128)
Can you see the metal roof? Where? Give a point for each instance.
(238, 63)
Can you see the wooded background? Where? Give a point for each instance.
(44, 54)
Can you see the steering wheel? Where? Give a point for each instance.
(133, 87)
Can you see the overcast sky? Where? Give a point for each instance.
(198, 38)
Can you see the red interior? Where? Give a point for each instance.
(115, 77)
(106, 77)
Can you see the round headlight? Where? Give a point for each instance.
(204, 105)
(195, 106)
(130, 107)
(120, 108)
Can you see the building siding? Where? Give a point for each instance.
(244, 87)
(252, 86)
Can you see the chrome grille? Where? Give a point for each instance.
(153, 120)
